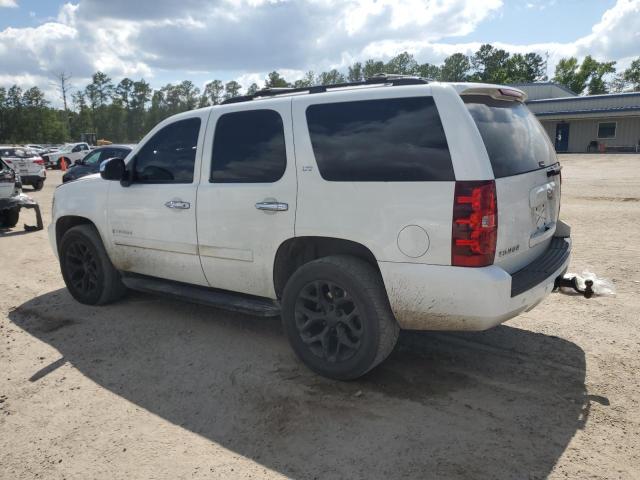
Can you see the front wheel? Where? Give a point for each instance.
(337, 317)
(87, 271)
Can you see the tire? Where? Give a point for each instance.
(9, 218)
(337, 317)
(38, 185)
(87, 271)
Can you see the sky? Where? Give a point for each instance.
(166, 41)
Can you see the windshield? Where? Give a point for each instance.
(515, 140)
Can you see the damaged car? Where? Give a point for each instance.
(12, 200)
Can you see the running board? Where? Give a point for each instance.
(236, 302)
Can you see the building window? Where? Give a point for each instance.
(607, 130)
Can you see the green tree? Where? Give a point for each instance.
(331, 77)
(308, 80)
(428, 70)
(140, 97)
(529, 67)
(232, 89)
(455, 68)
(490, 64)
(402, 64)
(274, 80)
(212, 94)
(372, 67)
(577, 77)
(253, 88)
(632, 75)
(188, 95)
(356, 73)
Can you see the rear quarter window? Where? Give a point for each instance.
(388, 140)
(515, 141)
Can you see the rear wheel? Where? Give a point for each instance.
(87, 271)
(9, 218)
(337, 317)
(38, 184)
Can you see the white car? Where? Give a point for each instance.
(70, 153)
(26, 163)
(353, 211)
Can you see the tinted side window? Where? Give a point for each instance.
(249, 147)
(390, 140)
(169, 156)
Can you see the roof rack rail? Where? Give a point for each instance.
(380, 78)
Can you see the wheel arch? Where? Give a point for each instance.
(63, 224)
(295, 252)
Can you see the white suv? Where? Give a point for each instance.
(352, 210)
(27, 163)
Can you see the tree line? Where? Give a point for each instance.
(125, 111)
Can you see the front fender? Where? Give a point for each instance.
(86, 199)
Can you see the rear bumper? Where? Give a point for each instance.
(435, 297)
(31, 179)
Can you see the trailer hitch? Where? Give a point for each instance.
(572, 282)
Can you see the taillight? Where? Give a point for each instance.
(475, 224)
(39, 161)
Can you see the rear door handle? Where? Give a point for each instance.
(179, 204)
(272, 206)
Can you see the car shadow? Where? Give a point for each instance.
(503, 403)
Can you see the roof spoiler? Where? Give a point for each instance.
(498, 93)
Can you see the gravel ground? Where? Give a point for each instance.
(152, 388)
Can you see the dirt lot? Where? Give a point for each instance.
(151, 388)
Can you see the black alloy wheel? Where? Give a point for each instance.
(82, 268)
(328, 321)
(337, 316)
(86, 268)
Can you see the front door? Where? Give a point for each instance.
(562, 137)
(153, 221)
(247, 195)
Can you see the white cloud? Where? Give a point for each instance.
(244, 39)
(8, 3)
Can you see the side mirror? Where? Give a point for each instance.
(112, 169)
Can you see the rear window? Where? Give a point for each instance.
(389, 140)
(13, 152)
(515, 140)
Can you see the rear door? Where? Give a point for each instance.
(527, 178)
(247, 195)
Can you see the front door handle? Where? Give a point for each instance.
(179, 204)
(273, 206)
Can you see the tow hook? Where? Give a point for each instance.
(572, 282)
